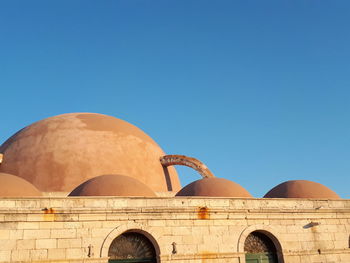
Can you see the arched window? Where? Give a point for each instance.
(132, 247)
(259, 248)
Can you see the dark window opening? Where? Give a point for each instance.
(131, 247)
(260, 248)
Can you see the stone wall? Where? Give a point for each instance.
(204, 229)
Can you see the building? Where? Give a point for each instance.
(88, 187)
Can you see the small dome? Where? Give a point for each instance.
(112, 185)
(61, 152)
(301, 189)
(14, 186)
(214, 187)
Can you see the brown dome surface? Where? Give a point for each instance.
(61, 152)
(14, 186)
(214, 187)
(301, 189)
(112, 185)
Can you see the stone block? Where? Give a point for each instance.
(15, 217)
(16, 234)
(290, 237)
(105, 224)
(7, 244)
(36, 233)
(96, 242)
(227, 247)
(156, 202)
(341, 244)
(46, 243)
(168, 240)
(84, 233)
(56, 253)
(95, 203)
(20, 255)
(28, 225)
(69, 243)
(189, 239)
(157, 223)
(72, 224)
(308, 245)
(219, 203)
(293, 259)
(4, 233)
(117, 217)
(323, 236)
(96, 224)
(200, 231)
(174, 223)
(38, 254)
(185, 249)
(295, 229)
(28, 203)
(213, 239)
(72, 253)
(66, 217)
(8, 225)
(63, 233)
(137, 203)
(182, 231)
(92, 217)
(208, 248)
(36, 217)
(292, 245)
(161, 230)
(51, 225)
(7, 203)
(25, 244)
(5, 255)
(100, 232)
(214, 230)
(118, 203)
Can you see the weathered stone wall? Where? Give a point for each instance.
(204, 229)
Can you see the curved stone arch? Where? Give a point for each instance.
(136, 228)
(268, 231)
(174, 159)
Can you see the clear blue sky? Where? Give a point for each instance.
(257, 90)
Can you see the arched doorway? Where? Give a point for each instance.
(259, 248)
(132, 247)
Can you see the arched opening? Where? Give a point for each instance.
(132, 247)
(259, 248)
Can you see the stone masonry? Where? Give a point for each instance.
(67, 230)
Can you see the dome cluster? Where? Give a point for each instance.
(219, 187)
(59, 153)
(88, 154)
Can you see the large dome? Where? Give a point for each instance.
(301, 189)
(14, 186)
(112, 185)
(61, 152)
(214, 187)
